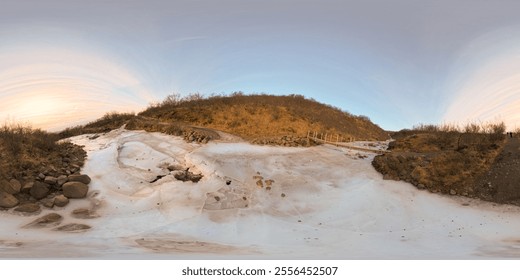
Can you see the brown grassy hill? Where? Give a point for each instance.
(27, 155)
(443, 159)
(264, 116)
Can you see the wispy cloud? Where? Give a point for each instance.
(487, 86)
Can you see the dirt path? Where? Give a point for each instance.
(502, 182)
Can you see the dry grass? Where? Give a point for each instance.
(15, 138)
(252, 117)
(445, 158)
(262, 116)
(25, 151)
(108, 122)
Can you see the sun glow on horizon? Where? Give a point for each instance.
(53, 88)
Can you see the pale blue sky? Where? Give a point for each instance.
(398, 62)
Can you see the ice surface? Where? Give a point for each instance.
(262, 202)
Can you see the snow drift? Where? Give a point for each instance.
(256, 202)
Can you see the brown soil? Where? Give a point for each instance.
(476, 166)
(442, 162)
(502, 182)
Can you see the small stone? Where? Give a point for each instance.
(50, 180)
(84, 213)
(47, 202)
(28, 208)
(41, 176)
(73, 228)
(85, 179)
(7, 200)
(61, 200)
(282, 195)
(49, 220)
(27, 187)
(39, 190)
(62, 179)
(16, 185)
(75, 189)
(6, 186)
(421, 186)
(173, 167)
(453, 192)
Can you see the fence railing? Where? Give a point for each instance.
(334, 139)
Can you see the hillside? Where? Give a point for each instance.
(448, 161)
(34, 166)
(262, 116)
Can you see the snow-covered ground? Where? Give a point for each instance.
(323, 202)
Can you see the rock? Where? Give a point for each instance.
(188, 176)
(62, 179)
(453, 192)
(85, 179)
(6, 186)
(47, 202)
(39, 190)
(174, 167)
(16, 185)
(83, 213)
(7, 200)
(28, 208)
(41, 176)
(27, 187)
(75, 189)
(49, 220)
(73, 228)
(421, 186)
(61, 200)
(50, 180)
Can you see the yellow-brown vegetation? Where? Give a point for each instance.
(264, 116)
(442, 159)
(25, 152)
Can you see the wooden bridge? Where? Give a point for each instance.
(334, 139)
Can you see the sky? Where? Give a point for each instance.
(400, 63)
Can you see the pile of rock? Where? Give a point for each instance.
(286, 141)
(46, 190)
(196, 136)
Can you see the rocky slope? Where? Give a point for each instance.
(474, 165)
(36, 170)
